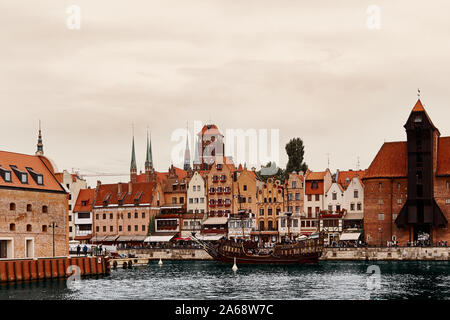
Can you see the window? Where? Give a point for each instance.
(44, 228)
(70, 229)
(104, 216)
(143, 227)
(129, 215)
(309, 197)
(381, 216)
(191, 200)
(330, 207)
(334, 196)
(269, 211)
(181, 199)
(70, 207)
(12, 227)
(104, 228)
(120, 228)
(380, 186)
(294, 184)
(338, 208)
(194, 188)
(245, 187)
(380, 201)
(317, 197)
(261, 211)
(352, 207)
(355, 194)
(399, 185)
(143, 215)
(314, 185)
(24, 178)
(111, 228)
(96, 216)
(129, 228)
(359, 206)
(174, 200)
(44, 209)
(39, 179)
(135, 228)
(12, 206)
(297, 196)
(97, 228)
(136, 215)
(70, 217)
(399, 201)
(289, 196)
(29, 228)
(111, 216)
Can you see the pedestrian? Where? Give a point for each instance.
(78, 250)
(101, 248)
(85, 250)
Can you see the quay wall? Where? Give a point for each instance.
(16, 270)
(403, 253)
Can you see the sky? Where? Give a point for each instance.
(341, 75)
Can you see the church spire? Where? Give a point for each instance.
(187, 153)
(149, 157)
(133, 166)
(40, 145)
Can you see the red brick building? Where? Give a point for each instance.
(407, 186)
(32, 204)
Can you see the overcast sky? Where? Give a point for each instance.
(312, 69)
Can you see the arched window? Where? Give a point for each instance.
(29, 207)
(44, 209)
(12, 206)
(261, 225)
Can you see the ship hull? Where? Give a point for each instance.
(309, 258)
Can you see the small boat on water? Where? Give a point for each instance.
(307, 250)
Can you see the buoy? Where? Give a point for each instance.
(160, 262)
(234, 266)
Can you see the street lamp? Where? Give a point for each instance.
(53, 226)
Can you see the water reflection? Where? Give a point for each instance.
(210, 280)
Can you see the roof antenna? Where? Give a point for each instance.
(328, 158)
(357, 164)
(418, 93)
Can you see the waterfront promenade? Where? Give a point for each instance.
(370, 253)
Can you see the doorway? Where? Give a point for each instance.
(29, 248)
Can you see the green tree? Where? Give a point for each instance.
(295, 151)
(151, 225)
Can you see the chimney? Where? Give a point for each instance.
(119, 188)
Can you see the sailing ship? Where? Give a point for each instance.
(308, 250)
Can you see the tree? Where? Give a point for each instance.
(295, 151)
(270, 170)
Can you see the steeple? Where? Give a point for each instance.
(187, 153)
(149, 158)
(196, 162)
(40, 145)
(133, 167)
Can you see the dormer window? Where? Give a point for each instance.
(24, 178)
(21, 175)
(40, 179)
(37, 177)
(418, 119)
(6, 174)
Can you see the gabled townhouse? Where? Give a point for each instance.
(82, 215)
(316, 186)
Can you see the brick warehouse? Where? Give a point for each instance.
(407, 186)
(31, 200)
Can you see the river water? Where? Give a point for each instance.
(211, 280)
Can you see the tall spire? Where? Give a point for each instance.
(187, 152)
(133, 166)
(40, 145)
(149, 157)
(196, 155)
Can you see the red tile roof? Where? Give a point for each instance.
(316, 175)
(163, 175)
(390, 161)
(39, 165)
(350, 174)
(310, 190)
(109, 192)
(87, 195)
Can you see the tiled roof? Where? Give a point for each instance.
(162, 176)
(443, 156)
(310, 190)
(109, 193)
(350, 174)
(390, 161)
(316, 175)
(37, 164)
(87, 195)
